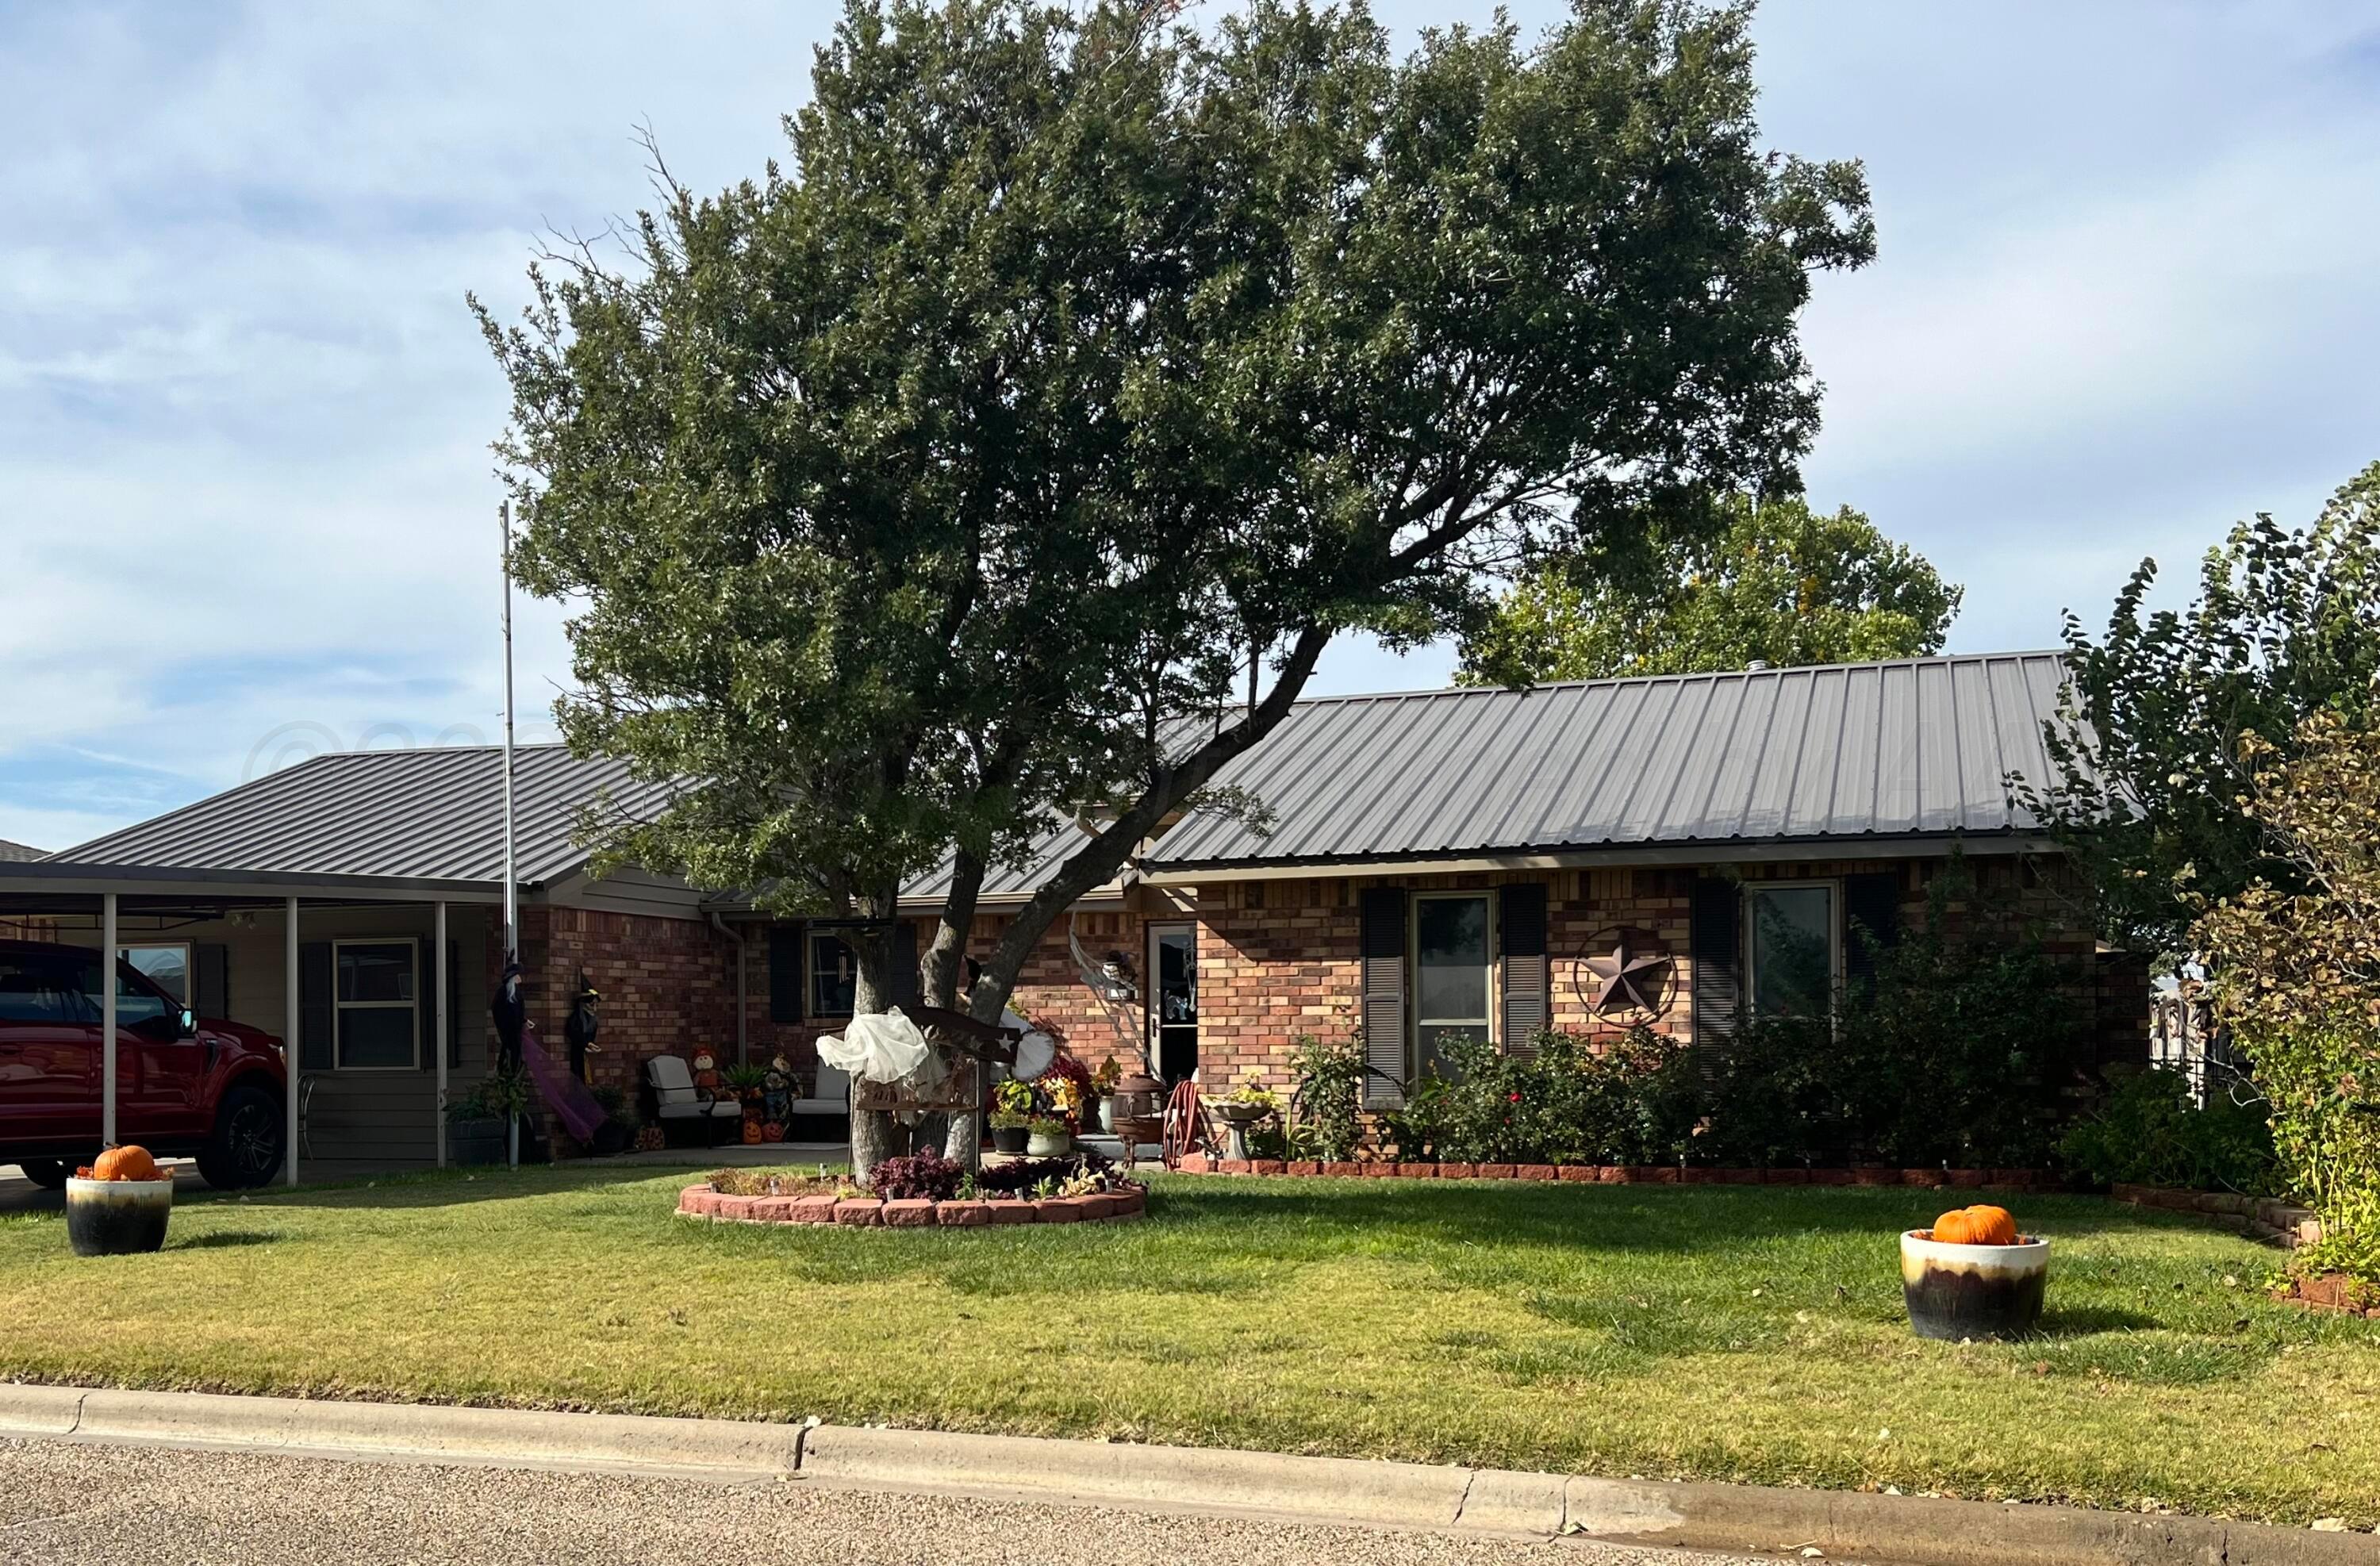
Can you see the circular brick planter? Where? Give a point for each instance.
(869, 1213)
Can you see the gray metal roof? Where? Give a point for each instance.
(17, 853)
(431, 814)
(1011, 882)
(1849, 752)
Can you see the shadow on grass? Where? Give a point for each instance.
(229, 1238)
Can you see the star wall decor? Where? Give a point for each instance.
(1628, 973)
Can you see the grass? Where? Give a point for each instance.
(1712, 1332)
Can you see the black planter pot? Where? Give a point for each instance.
(117, 1218)
(480, 1141)
(1010, 1138)
(611, 1138)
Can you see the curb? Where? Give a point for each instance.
(1916, 1531)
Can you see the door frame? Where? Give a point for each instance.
(1151, 1014)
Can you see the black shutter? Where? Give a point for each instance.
(454, 1003)
(1871, 902)
(1521, 916)
(316, 1015)
(905, 963)
(1716, 957)
(211, 986)
(433, 970)
(1383, 951)
(785, 973)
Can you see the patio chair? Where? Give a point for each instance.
(829, 1096)
(677, 1102)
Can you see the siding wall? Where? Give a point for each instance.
(384, 1116)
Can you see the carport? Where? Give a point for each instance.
(279, 951)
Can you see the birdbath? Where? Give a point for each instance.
(1235, 1118)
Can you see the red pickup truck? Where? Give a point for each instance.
(184, 1085)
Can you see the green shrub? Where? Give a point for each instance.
(2149, 1130)
(1575, 1099)
(1326, 1106)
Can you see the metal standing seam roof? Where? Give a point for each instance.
(1913, 747)
(431, 814)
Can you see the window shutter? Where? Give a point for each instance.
(1383, 951)
(454, 1005)
(211, 986)
(1715, 957)
(785, 973)
(1521, 916)
(905, 963)
(315, 1015)
(434, 969)
(1870, 903)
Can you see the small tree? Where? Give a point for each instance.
(2149, 773)
(1779, 582)
(2297, 972)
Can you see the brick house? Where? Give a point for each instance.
(1455, 860)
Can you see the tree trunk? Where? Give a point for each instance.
(944, 961)
(875, 1136)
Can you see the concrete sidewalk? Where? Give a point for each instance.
(1336, 1491)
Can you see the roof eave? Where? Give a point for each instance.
(1723, 851)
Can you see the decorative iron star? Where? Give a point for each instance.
(1619, 976)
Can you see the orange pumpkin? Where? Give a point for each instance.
(1994, 1226)
(128, 1163)
(1977, 1225)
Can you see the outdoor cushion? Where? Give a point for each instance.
(675, 1095)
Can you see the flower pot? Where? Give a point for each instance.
(473, 1140)
(1049, 1143)
(1959, 1292)
(1010, 1138)
(117, 1218)
(1107, 1114)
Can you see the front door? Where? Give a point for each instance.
(1174, 1001)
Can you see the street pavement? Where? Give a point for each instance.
(64, 1503)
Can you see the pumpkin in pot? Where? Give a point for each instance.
(128, 1163)
(1977, 1225)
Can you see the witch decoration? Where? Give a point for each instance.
(579, 1027)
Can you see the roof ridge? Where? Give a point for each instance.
(1938, 658)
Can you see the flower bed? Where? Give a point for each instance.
(1629, 1175)
(701, 1200)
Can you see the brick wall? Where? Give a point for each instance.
(667, 985)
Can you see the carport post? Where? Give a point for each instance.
(439, 1107)
(108, 1021)
(291, 1048)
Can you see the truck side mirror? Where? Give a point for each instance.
(185, 1023)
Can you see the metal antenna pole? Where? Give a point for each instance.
(512, 882)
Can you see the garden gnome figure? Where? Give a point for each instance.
(578, 1030)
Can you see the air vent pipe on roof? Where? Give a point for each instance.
(1756, 666)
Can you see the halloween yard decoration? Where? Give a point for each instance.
(1973, 1276)
(579, 1028)
(120, 1205)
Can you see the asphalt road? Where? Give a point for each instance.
(67, 1504)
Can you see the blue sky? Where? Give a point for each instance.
(2123, 297)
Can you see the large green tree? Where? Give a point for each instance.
(1777, 582)
(2150, 787)
(1016, 451)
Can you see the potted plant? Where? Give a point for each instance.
(119, 1205)
(621, 1122)
(479, 1119)
(1048, 1137)
(1011, 1110)
(1103, 1087)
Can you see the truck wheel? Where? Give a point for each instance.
(246, 1146)
(50, 1174)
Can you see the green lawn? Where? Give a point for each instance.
(1729, 1332)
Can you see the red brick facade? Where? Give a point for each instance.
(1276, 961)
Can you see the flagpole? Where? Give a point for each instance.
(512, 882)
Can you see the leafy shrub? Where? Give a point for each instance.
(1326, 1106)
(1573, 1100)
(915, 1177)
(2149, 1130)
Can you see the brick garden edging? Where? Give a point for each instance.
(1630, 1174)
(2261, 1218)
(871, 1212)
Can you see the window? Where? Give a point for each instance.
(376, 1025)
(1791, 930)
(42, 990)
(1454, 981)
(164, 963)
(835, 976)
